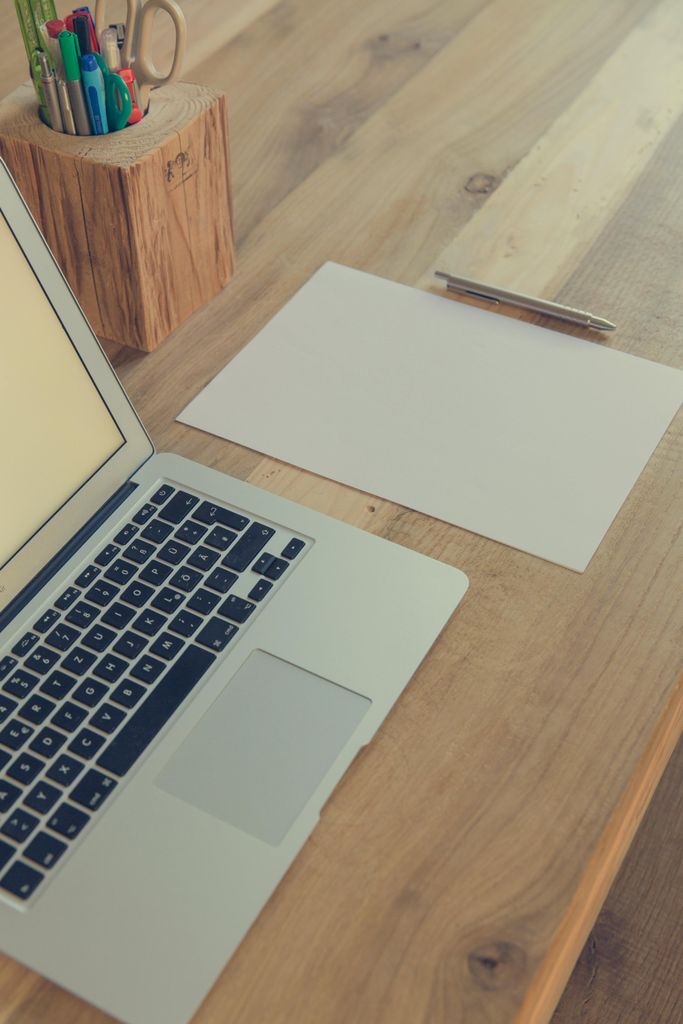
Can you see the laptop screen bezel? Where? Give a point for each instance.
(136, 446)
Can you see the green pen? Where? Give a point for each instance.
(71, 54)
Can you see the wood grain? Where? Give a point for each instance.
(459, 865)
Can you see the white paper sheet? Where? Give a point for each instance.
(520, 433)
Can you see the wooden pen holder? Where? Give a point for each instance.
(140, 221)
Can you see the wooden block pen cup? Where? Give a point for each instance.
(140, 221)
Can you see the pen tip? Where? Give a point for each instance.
(602, 325)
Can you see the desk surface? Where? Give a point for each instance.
(536, 146)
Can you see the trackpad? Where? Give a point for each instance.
(263, 746)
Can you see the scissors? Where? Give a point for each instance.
(137, 43)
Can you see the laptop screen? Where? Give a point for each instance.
(55, 429)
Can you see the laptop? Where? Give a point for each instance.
(188, 666)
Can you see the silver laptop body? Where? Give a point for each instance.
(196, 754)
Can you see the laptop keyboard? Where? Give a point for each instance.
(86, 691)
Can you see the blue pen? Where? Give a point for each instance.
(93, 87)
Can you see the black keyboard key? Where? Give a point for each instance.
(163, 494)
(215, 515)
(167, 646)
(236, 608)
(221, 580)
(137, 594)
(185, 579)
(9, 795)
(25, 768)
(70, 716)
(57, 684)
(250, 544)
(292, 549)
(125, 533)
(190, 533)
(7, 706)
(41, 660)
(259, 590)
(262, 563)
(163, 701)
(129, 644)
(19, 825)
(185, 623)
(127, 694)
(15, 734)
(117, 615)
(145, 513)
(20, 683)
(98, 638)
(102, 593)
(139, 552)
(78, 661)
(37, 709)
(203, 601)
(43, 624)
(216, 634)
(6, 665)
(24, 645)
(62, 637)
(65, 770)
(68, 821)
(147, 669)
(203, 558)
(276, 568)
(44, 850)
(221, 538)
(107, 718)
(42, 797)
(173, 552)
(156, 531)
(178, 507)
(90, 573)
(167, 600)
(47, 743)
(86, 743)
(21, 880)
(90, 692)
(92, 790)
(149, 622)
(6, 853)
(156, 572)
(121, 571)
(83, 614)
(66, 599)
(107, 555)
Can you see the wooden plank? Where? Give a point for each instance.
(631, 966)
(540, 223)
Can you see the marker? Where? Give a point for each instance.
(53, 28)
(49, 83)
(93, 86)
(109, 48)
(85, 12)
(68, 44)
(81, 26)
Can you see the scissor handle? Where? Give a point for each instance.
(119, 102)
(146, 73)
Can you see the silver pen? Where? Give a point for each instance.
(487, 292)
(49, 83)
(65, 107)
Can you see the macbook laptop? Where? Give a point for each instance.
(188, 665)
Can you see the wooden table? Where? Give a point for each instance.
(459, 866)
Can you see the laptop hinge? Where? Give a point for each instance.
(64, 554)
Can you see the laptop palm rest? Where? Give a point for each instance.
(263, 746)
